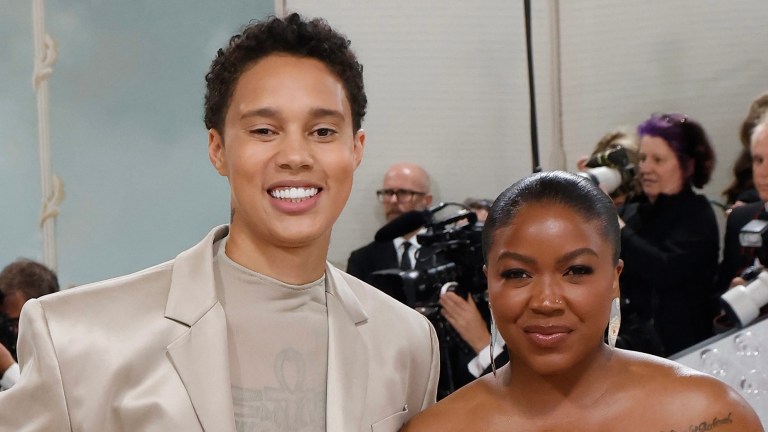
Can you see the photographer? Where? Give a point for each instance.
(618, 139)
(669, 235)
(737, 258)
(19, 281)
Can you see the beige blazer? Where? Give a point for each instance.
(148, 352)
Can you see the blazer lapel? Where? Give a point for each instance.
(200, 355)
(347, 357)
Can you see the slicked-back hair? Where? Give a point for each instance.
(292, 35)
(554, 187)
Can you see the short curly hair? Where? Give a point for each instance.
(292, 35)
(688, 141)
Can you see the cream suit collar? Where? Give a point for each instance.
(347, 356)
(200, 355)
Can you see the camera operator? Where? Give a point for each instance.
(406, 188)
(20, 281)
(737, 258)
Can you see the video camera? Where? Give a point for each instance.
(449, 259)
(612, 170)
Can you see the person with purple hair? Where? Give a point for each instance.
(669, 236)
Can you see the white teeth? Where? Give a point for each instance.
(294, 194)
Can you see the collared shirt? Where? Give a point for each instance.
(398, 242)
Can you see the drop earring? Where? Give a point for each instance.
(614, 323)
(494, 339)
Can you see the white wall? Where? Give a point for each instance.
(127, 136)
(447, 84)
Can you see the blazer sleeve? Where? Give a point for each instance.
(430, 396)
(37, 402)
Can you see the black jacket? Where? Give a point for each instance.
(372, 257)
(735, 257)
(670, 252)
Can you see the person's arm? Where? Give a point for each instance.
(9, 369)
(465, 318)
(40, 389)
(482, 361)
(10, 377)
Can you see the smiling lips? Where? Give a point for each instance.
(293, 194)
(547, 336)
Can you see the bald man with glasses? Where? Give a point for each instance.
(406, 187)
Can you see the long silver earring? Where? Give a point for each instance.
(615, 322)
(494, 338)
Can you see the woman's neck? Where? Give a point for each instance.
(575, 389)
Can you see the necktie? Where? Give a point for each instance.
(405, 258)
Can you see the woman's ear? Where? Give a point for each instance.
(216, 151)
(619, 268)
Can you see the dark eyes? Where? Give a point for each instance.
(262, 131)
(319, 132)
(576, 270)
(579, 270)
(514, 274)
(324, 132)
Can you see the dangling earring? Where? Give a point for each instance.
(614, 323)
(494, 338)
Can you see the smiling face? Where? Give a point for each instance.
(660, 171)
(289, 152)
(551, 280)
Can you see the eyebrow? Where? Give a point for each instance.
(560, 261)
(261, 112)
(576, 253)
(270, 112)
(326, 112)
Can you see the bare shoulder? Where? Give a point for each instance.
(460, 411)
(683, 398)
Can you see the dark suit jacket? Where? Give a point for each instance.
(735, 257)
(372, 257)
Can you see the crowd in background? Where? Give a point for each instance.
(672, 278)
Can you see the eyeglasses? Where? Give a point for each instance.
(403, 195)
(670, 118)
